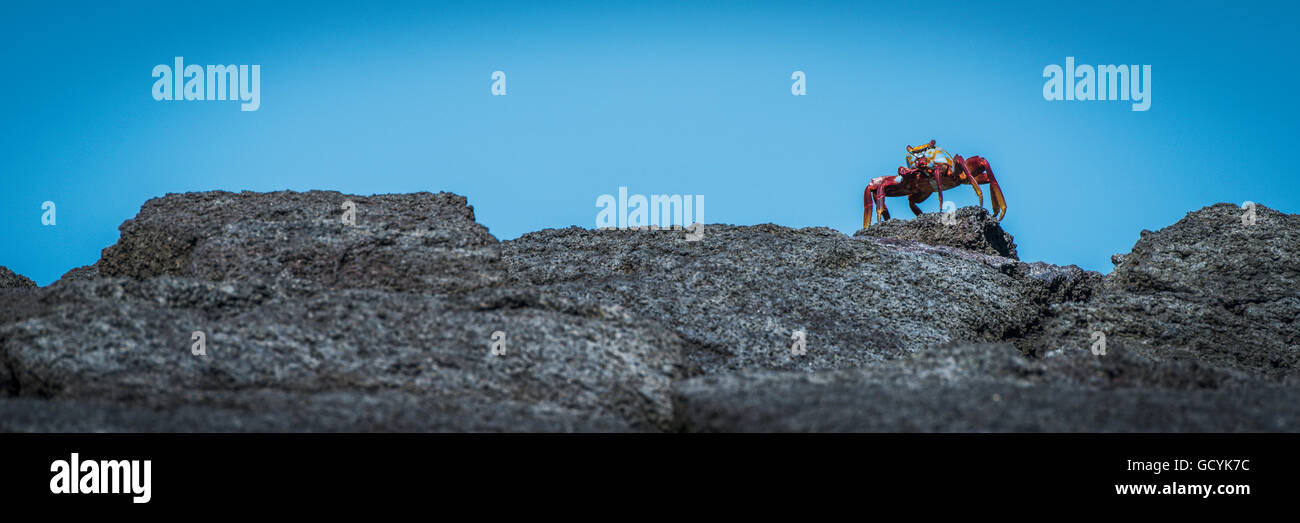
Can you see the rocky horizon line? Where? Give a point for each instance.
(413, 317)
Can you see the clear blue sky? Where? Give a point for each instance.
(674, 98)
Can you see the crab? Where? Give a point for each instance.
(931, 170)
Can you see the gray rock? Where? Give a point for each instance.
(973, 229)
(83, 273)
(1200, 336)
(312, 325)
(129, 342)
(1207, 289)
(855, 401)
(18, 297)
(401, 242)
(738, 295)
(12, 280)
(992, 388)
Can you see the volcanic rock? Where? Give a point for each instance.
(415, 318)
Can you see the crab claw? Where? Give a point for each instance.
(979, 169)
(995, 195)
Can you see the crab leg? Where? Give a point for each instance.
(964, 173)
(938, 187)
(866, 207)
(875, 192)
(914, 199)
(975, 185)
(882, 213)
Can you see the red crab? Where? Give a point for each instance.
(926, 173)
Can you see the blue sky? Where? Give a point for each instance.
(663, 97)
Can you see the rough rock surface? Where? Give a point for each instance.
(313, 325)
(981, 387)
(738, 295)
(11, 280)
(993, 387)
(83, 273)
(123, 340)
(402, 242)
(1207, 289)
(971, 228)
